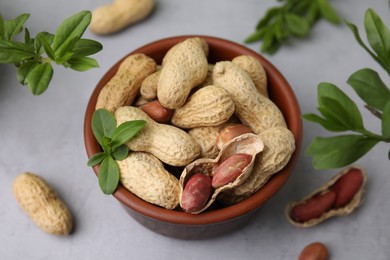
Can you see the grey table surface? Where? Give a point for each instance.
(44, 135)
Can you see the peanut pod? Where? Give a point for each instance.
(144, 175)
(168, 143)
(249, 144)
(338, 186)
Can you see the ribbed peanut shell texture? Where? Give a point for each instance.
(185, 68)
(345, 210)
(255, 70)
(205, 137)
(124, 86)
(209, 106)
(168, 143)
(42, 204)
(120, 14)
(144, 175)
(148, 88)
(247, 144)
(253, 109)
(279, 145)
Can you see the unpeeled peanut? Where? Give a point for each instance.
(230, 169)
(314, 251)
(209, 106)
(118, 15)
(253, 109)
(205, 137)
(255, 70)
(184, 68)
(196, 192)
(124, 86)
(42, 204)
(148, 88)
(168, 143)
(144, 175)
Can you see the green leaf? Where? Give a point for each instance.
(96, 159)
(38, 43)
(355, 31)
(108, 175)
(86, 47)
(39, 77)
(325, 122)
(120, 152)
(370, 88)
(27, 37)
(66, 51)
(14, 52)
(268, 17)
(378, 35)
(386, 120)
(256, 36)
(82, 63)
(338, 151)
(336, 102)
(297, 25)
(313, 13)
(125, 131)
(2, 28)
(46, 46)
(71, 29)
(24, 70)
(103, 125)
(15, 26)
(328, 12)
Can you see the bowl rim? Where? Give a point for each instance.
(275, 183)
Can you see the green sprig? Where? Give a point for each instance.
(339, 113)
(65, 47)
(112, 139)
(294, 18)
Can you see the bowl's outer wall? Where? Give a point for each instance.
(180, 224)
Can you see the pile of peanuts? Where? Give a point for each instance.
(197, 111)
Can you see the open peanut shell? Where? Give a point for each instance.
(247, 143)
(342, 211)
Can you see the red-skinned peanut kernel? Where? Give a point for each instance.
(230, 169)
(157, 112)
(196, 192)
(313, 207)
(314, 251)
(347, 186)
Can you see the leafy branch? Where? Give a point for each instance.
(65, 47)
(294, 18)
(339, 113)
(112, 139)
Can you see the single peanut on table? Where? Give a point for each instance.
(120, 14)
(314, 251)
(42, 204)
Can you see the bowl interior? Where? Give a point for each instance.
(279, 91)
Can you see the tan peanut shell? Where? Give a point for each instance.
(255, 70)
(248, 144)
(144, 175)
(345, 210)
(279, 145)
(209, 106)
(205, 136)
(119, 14)
(42, 204)
(185, 68)
(124, 86)
(168, 143)
(253, 109)
(148, 88)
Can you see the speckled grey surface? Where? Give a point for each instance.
(44, 135)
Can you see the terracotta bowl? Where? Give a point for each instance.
(220, 220)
